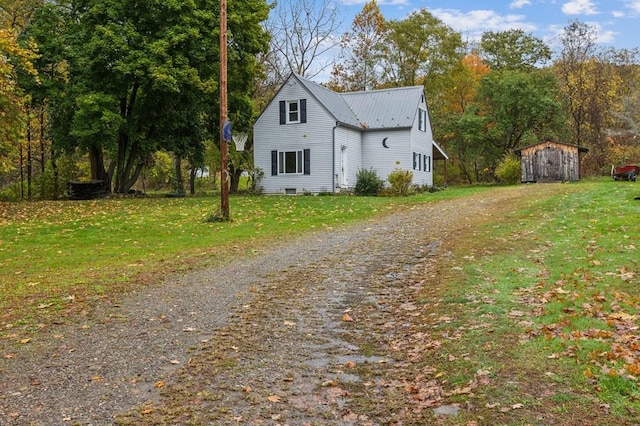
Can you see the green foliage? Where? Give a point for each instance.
(509, 169)
(513, 49)
(368, 182)
(400, 182)
(516, 104)
(419, 48)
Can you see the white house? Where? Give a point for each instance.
(311, 139)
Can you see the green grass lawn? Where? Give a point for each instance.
(548, 301)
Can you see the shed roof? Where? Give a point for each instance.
(580, 148)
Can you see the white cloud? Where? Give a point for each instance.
(519, 4)
(473, 23)
(618, 14)
(634, 6)
(579, 7)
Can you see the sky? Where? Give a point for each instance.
(617, 21)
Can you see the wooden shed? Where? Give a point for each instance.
(550, 162)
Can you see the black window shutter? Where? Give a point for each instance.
(415, 163)
(274, 163)
(303, 110)
(283, 112)
(307, 161)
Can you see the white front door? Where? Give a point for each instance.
(344, 180)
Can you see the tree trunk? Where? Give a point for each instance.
(179, 182)
(235, 180)
(56, 175)
(96, 159)
(29, 154)
(43, 156)
(192, 180)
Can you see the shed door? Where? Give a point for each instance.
(550, 164)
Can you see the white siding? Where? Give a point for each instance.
(385, 160)
(422, 144)
(316, 135)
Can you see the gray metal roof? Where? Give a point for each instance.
(387, 108)
(332, 101)
(374, 109)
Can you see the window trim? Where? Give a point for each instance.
(288, 111)
(422, 120)
(301, 159)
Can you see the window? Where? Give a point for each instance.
(291, 162)
(422, 120)
(293, 112)
(421, 162)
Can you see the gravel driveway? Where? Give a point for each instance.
(274, 338)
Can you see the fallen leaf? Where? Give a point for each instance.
(290, 323)
(159, 384)
(347, 318)
(274, 398)
(25, 341)
(350, 364)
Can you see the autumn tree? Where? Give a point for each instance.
(359, 64)
(453, 121)
(14, 15)
(594, 83)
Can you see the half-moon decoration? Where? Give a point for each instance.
(384, 143)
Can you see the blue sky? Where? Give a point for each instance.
(617, 21)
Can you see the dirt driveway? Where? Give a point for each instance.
(316, 330)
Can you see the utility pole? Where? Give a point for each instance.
(224, 174)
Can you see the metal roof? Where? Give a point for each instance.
(387, 108)
(332, 101)
(373, 109)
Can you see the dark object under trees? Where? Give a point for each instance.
(86, 190)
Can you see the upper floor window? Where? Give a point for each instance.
(294, 111)
(422, 120)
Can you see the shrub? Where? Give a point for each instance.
(400, 181)
(368, 182)
(509, 170)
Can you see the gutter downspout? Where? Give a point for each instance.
(333, 157)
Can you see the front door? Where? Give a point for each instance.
(344, 175)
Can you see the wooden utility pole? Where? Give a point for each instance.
(224, 174)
